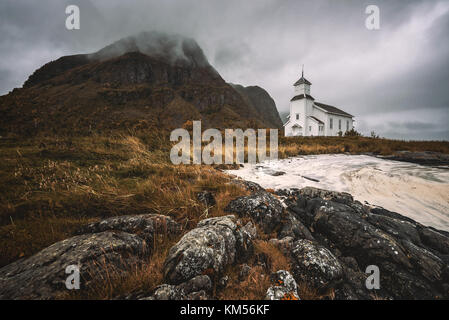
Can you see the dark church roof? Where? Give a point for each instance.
(302, 80)
(316, 119)
(302, 96)
(332, 109)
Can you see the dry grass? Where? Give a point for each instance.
(274, 259)
(293, 146)
(267, 259)
(50, 187)
(253, 287)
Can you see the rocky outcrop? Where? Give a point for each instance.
(43, 276)
(208, 248)
(426, 158)
(113, 245)
(412, 262)
(261, 206)
(331, 244)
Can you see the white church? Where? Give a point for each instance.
(310, 118)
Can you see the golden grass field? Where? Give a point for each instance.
(50, 186)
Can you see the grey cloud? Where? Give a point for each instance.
(414, 125)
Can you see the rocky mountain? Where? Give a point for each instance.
(150, 80)
(261, 101)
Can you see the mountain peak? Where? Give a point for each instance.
(174, 49)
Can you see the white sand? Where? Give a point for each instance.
(419, 192)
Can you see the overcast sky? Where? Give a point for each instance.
(395, 80)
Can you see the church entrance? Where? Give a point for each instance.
(297, 130)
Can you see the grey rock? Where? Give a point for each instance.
(383, 212)
(262, 206)
(244, 241)
(146, 226)
(398, 228)
(42, 276)
(427, 158)
(348, 230)
(207, 198)
(429, 265)
(315, 265)
(247, 185)
(198, 295)
(434, 239)
(208, 248)
(410, 257)
(193, 289)
(311, 192)
(292, 227)
(284, 287)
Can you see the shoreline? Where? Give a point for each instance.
(420, 191)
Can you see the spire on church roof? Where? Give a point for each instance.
(302, 80)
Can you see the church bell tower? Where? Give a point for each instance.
(302, 86)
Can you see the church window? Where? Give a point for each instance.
(347, 125)
(331, 123)
(310, 128)
(339, 124)
(297, 116)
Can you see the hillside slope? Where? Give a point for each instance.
(261, 101)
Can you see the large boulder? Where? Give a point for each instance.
(208, 248)
(244, 237)
(293, 227)
(196, 288)
(315, 265)
(261, 206)
(43, 276)
(147, 226)
(247, 185)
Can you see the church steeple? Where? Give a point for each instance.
(302, 86)
(302, 80)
